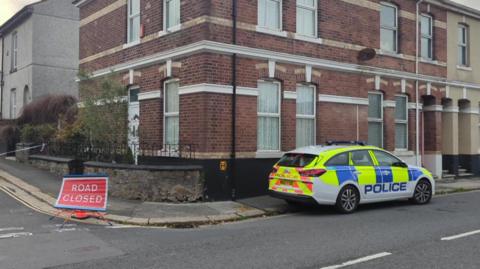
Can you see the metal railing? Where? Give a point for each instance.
(127, 153)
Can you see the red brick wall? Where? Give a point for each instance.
(104, 33)
(336, 22)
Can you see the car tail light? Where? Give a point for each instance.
(312, 173)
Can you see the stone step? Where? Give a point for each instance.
(464, 175)
(448, 176)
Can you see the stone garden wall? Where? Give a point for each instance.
(173, 183)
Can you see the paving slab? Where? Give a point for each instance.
(44, 186)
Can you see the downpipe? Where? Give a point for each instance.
(233, 155)
(417, 108)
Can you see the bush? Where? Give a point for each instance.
(37, 133)
(48, 109)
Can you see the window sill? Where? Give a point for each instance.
(170, 30)
(308, 39)
(268, 154)
(269, 31)
(391, 54)
(428, 61)
(131, 44)
(464, 68)
(403, 153)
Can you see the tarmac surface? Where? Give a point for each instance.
(391, 235)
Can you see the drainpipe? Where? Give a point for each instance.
(1, 79)
(233, 155)
(417, 109)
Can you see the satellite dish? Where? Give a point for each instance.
(366, 54)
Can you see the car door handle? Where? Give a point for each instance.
(357, 172)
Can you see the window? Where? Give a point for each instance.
(14, 58)
(296, 160)
(133, 20)
(401, 122)
(172, 14)
(307, 17)
(13, 103)
(339, 160)
(386, 159)
(26, 95)
(270, 14)
(133, 95)
(388, 28)
(375, 119)
(268, 135)
(463, 45)
(427, 37)
(172, 108)
(361, 158)
(305, 116)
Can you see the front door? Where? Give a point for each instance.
(133, 122)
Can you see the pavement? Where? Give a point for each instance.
(38, 190)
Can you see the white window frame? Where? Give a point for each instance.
(310, 117)
(13, 103)
(427, 36)
(130, 19)
(166, 15)
(315, 11)
(404, 122)
(379, 120)
(395, 29)
(14, 56)
(464, 45)
(272, 115)
(169, 114)
(280, 16)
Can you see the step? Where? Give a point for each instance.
(465, 175)
(448, 176)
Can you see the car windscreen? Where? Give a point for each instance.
(296, 160)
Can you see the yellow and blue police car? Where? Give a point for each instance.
(346, 174)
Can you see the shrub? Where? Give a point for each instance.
(48, 109)
(37, 133)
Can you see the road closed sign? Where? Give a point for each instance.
(89, 192)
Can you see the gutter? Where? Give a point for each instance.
(233, 155)
(417, 101)
(2, 76)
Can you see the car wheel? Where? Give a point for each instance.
(348, 200)
(423, 192)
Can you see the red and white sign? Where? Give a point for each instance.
(83, 193)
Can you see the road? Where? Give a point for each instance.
(392, 235)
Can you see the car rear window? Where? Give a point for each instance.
(296, 160)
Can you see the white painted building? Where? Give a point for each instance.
(39, 54)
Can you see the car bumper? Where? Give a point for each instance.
(292, 197)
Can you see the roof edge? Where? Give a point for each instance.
(456, 7)
(80, 3)
(16, 19)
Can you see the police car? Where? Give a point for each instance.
(346, 174)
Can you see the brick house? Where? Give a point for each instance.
(303, 72)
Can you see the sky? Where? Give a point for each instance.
(9, 7)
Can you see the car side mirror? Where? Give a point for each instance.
(400, 164)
